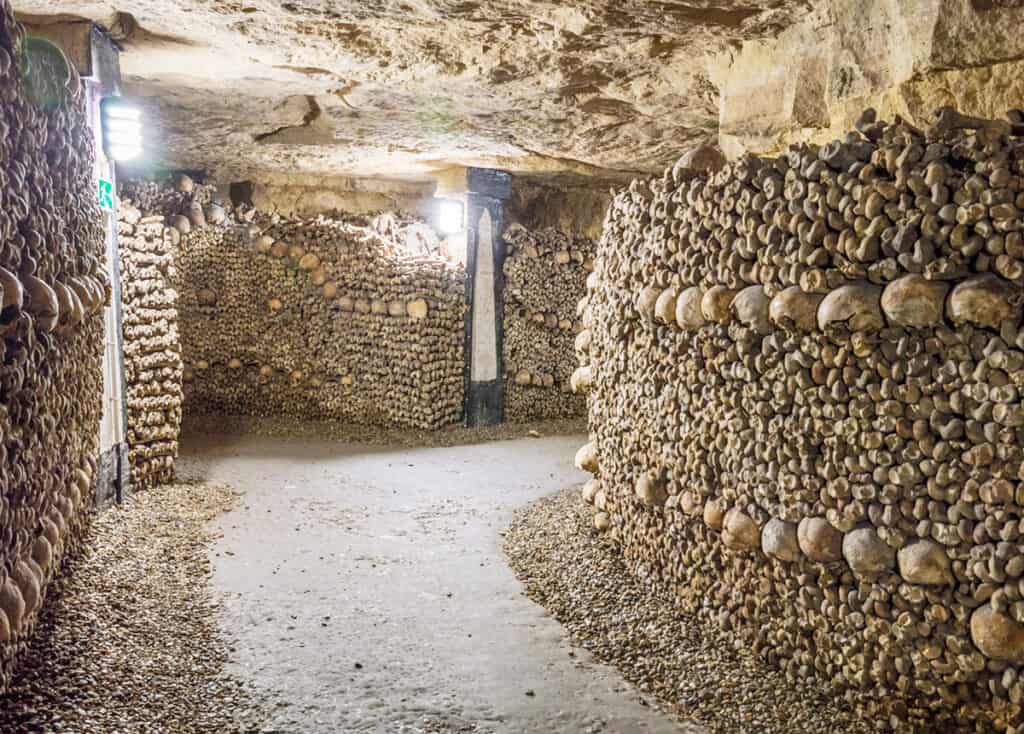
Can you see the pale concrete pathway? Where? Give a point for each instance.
(368, 591)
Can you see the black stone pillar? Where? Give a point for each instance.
(487, 190)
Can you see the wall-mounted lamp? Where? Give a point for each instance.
(451, 216)
(122, 129)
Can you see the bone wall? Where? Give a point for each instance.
(319, 318)
(53, 287)
(152, 349)
(804, 378)
(545, 278)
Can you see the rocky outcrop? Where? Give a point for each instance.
(906, 57)
(378, 89)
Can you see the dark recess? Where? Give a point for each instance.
(241, 193)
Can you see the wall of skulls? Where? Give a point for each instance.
(804, 378)
(152, 349)
(545, 278)
(52, 291)
(317, 318)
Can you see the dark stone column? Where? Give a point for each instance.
(487, 190)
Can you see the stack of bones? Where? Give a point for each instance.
(53, 287)
(804, 380)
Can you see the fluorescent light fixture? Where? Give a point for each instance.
(119, 126)
(122, 129)
(122, 111)
(125, 140)
(450, 216)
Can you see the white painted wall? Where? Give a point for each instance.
(484, 367)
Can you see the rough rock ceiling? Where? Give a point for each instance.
(399, 88)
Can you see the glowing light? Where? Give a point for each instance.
(450, 216)
(121, 111)
(456, 247)
(122, 130)
(128, 127)
(125, 154)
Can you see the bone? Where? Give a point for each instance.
(353, 326)
(53, 285)
(847, 460)
(546, 274)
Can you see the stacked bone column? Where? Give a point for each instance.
(322, 318)
(545, 273)
(152, 351)
(52, 286)
(804, 379)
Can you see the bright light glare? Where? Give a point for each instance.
(122, 112)
(456, 247)
(124, 126)
(450, 216)
(122, 130)
(131, 140)
(125, 153)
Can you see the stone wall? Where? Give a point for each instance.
(545, 277)
(906, 57)
(322, 318)
(804, 378)
(302, 196)
(152, 349)
(568, 205)
(53, 287)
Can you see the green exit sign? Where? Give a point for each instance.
(106, 193)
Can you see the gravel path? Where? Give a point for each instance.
(129, 641)
(689, 665)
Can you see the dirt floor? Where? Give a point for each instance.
(695, 669)
(366, 589)
(130, 641)
(293, 584)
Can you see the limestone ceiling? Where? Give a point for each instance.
(399, 88)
